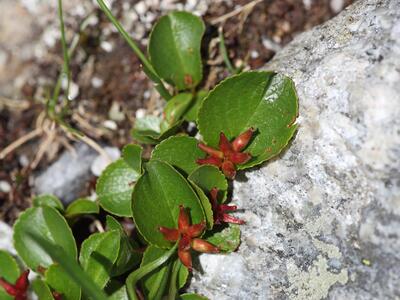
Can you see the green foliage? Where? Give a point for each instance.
(205, 202)
(207, 177)
(117, 291)
(42, 290)
(179, 151)
(152, 191)
(68, 264)
(156, 199)
(115, 185)
(155, 282)
(132, 154)
(128, 256)
(81, 206)
(152, 129)
(98, 254)
(191, 113)
(174, 49)
(9, 271)
(266, 101)
(46, 222)
(177, 107)
(48, 200)
(192, 297)
(59, 281)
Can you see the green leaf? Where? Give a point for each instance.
(192, 297)
(191, 114)
(114, 188)
(45, 222)
(132, 154)
(207, 177)
(60, 282)
(9, 270)
(152, 129)
(173, 284)
(48, 200)
(156, 199)
(117, 291)
(263, 100)
(227, 240)
(42, 290)
(206, 204)
(174, 49)
(81, 206)
(182, 276)
(138, 274)
(128, 257)
(68, 265)
(113, 224)
(176, 107)
(155, 283)
(98, 254)
(179, 151)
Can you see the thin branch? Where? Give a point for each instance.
(22, 140)
(147, 66)
(224, 52)
(248, 6)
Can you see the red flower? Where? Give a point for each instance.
(220, 210)
(19, 289)
(187, 235)
(228, 155)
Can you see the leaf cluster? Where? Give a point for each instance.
(114, 265)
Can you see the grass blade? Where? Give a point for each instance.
(71, 267)
(147, 66)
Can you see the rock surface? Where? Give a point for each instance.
(68, 175)
(323, 219)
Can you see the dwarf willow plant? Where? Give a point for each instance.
(177, 198)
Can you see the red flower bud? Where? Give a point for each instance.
(211, 151)
(186, 258)
(228, 168)
(19, 289)
(242, 140)
(186, 234)
(203, 246)
(219, 210)
(169, 234)
(183, 219)
(228, 155)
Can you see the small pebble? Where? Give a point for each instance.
(5, 187)
(97, 82)
(106, 46)
(140, 113)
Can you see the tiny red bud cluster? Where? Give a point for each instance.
(19, 289)
(187, 235)
(229, 154)
(220, 210)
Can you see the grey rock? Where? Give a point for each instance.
(68, 175)
(323, 219)
(6, 238)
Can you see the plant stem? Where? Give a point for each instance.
(173, 283)
(66, 71)
(56, 92)
(147, 66)
(224, 52)
(143, 271)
